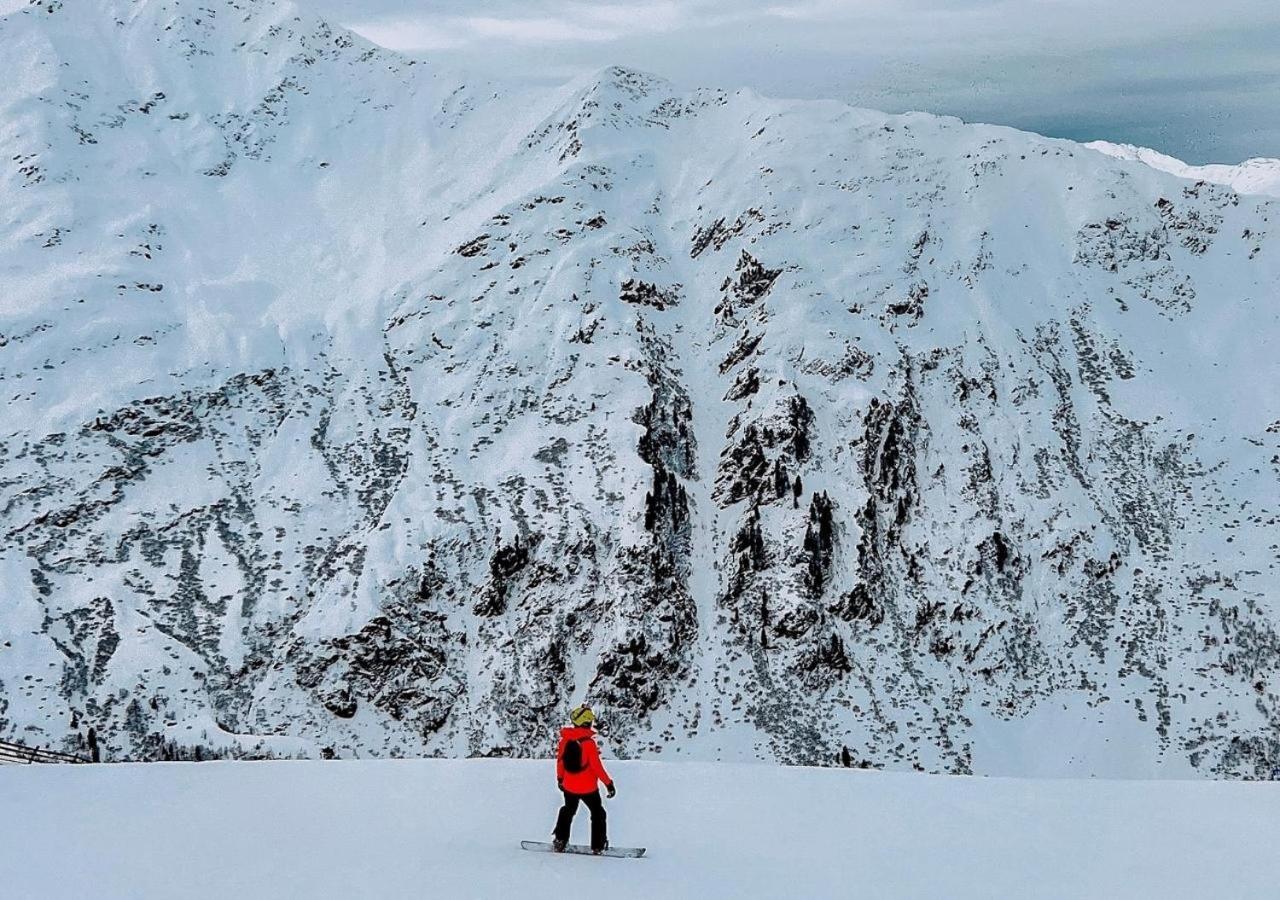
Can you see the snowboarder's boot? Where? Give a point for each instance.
(598, 850)
(558, 845)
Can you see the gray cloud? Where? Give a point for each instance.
(1197, 80)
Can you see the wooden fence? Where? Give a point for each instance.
(17, 753)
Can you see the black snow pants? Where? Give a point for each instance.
(599, 837)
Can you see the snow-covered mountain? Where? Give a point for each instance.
(1253, 176)
(352, 407)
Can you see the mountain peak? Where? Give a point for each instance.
(615, 93)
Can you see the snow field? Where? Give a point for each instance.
(450, 828)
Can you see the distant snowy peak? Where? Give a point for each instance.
(1253, 176)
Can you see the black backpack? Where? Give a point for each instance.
(572, 759)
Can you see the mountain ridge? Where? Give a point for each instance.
(1259, 175)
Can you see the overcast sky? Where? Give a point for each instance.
(1198, 80)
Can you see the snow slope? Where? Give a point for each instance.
(1253, 176)
(440, 828)
(352, 407)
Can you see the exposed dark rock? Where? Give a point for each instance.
(819, 544)
(397, 663)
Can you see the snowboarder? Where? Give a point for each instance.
(578, 769)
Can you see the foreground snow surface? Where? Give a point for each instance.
(348, 406)
(450, 828)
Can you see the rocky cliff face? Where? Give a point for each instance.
(349, 409)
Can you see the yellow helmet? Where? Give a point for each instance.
(581, 715)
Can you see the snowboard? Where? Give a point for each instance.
(617, 852)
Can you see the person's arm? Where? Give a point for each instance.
(597, 765)
(560, 764)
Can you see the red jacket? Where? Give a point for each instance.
(583, 782)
